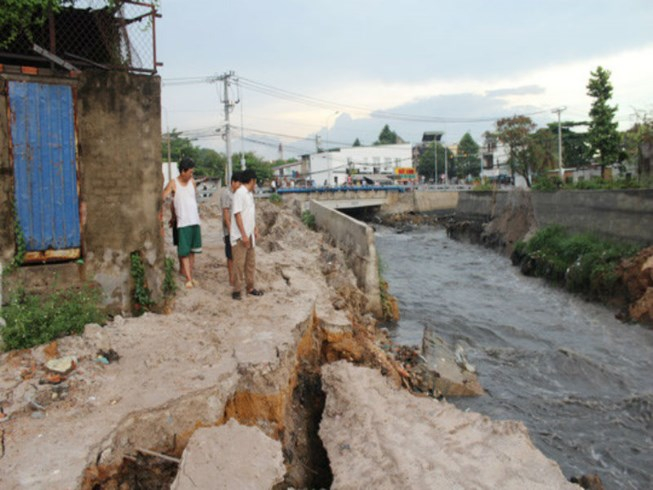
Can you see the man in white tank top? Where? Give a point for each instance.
(188, 219)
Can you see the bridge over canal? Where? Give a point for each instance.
(392, 198)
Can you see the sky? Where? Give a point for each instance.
(343, 69)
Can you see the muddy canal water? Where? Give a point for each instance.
(580, 380)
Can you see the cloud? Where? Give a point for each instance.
(523, 90)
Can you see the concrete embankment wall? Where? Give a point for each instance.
(619, 215)
(357, 240)
(625, 215)
(421, 202)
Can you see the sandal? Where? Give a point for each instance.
(255, 292)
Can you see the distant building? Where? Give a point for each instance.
(369, 164)
(293, 171)
(173, 170)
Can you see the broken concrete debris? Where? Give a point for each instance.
(63, 365)
(212, 460)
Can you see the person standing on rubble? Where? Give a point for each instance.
(243, 234)
(226, 200)
(184, 195)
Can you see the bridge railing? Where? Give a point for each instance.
(343, 188)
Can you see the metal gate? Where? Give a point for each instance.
(42, 120)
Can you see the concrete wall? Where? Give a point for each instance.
(421, 202)
(622, 215)
(120, 181)
(356, 239)
(618, 215)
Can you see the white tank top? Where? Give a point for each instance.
(186, 204)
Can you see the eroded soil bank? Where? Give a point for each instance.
(254, 365)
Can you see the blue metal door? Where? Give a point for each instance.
(45, 168)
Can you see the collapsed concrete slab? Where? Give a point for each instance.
(378, 436)
(213, 460)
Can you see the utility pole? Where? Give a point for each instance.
(446, 166)
(562, 170)
(435, 163)
(228, 107)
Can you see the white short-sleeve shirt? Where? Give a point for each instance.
(243, 203)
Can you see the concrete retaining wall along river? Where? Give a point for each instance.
(356, 239)
(625, 215)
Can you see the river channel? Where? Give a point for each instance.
(580, 380)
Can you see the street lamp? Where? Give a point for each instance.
(326, 146)
(434, 136)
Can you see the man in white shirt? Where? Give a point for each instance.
(243, 235)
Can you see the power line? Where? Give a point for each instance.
(326, 104)
(378, 114)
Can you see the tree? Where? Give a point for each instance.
(603, 135)
(388, 137)
(467, 157)
(263, 169)
(24, 16)
(426, 164)
(514, 132)
(638, 144)
(542, 150)
(179, 146)
(210, 163)
(28, 16)
(575, 145)
(357, 142)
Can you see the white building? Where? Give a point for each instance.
(495, 164)
(169, 168)
(334, 167)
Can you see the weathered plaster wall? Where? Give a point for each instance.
(119, 121)
(120, 181)
(357, 240)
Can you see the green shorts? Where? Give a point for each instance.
(190, 240)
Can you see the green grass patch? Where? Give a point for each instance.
(484, 186)
(554, 183)
(169, 287)
(141, 295)
(276, 199)
(582, 263)
(34, 320)
(308, 219)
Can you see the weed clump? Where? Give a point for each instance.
(581, 263)
(308, 219)
(33, 320)
(276, 199)
(169, 287)
(141, 294)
